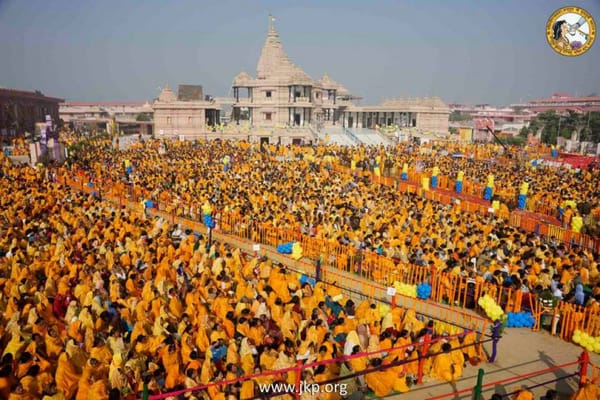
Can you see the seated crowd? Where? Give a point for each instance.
(97, 301)
(299, 188)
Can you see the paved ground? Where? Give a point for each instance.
(520, 351)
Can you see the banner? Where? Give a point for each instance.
(459, 182)
(43, 140)
(404, 175)
(56, 149)
(434, 176)
(466, 134)
(484, 124)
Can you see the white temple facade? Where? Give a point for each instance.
(283, 95)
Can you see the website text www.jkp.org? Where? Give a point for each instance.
(304, 387)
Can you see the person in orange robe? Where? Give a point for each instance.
(380, 382)
(66, 376)
(523, 394)
(170, 360)
(5, 373)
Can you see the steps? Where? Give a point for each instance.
(370, 137)
(339, 136)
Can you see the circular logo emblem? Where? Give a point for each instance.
(571, 31)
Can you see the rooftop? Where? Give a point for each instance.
(563, 97)
(103, 104)
(5, 92)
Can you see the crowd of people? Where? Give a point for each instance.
(298, 188)
(98, 301)
(550, 188)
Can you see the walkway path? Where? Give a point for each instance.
(520, 351)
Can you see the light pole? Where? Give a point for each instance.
(559, 119)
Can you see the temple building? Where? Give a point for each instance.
(281, 104)
(283, 95)
(129, 117)
(428, 114)
(186, 114)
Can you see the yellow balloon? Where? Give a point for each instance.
(384, 309)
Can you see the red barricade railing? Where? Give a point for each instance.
(523, 377)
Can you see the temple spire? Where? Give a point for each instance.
(271, 25)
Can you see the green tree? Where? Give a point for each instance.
(513, 140)
(591, 129)
(458, 116)
(554, 125)
(524, 132)
(143, 117)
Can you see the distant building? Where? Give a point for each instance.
(130, 117)
(20, 110)
(73, 111)
(427, 114)
(187, 114)
(561, 102)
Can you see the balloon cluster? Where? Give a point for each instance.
(293, 248)
(383, 309)
(590, 343)
(492, 310)
(207, 208)
(522, 201)
(520, 320)
(405, 289)
(307, 279)
(424, 291)
(208, 220)
(207, 215)
(296, 251)
(285, 248)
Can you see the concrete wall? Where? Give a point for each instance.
(179, 121)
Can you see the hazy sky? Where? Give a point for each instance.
(477, 51)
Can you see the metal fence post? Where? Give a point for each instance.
(584, 360)
(495, 339)
(479, 386)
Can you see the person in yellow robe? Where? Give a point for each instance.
(444, 367)
(470, 348)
